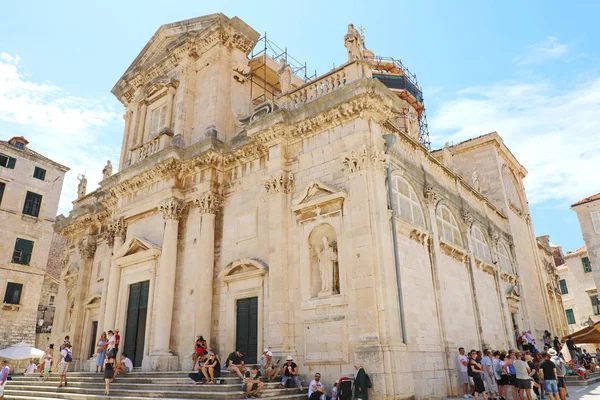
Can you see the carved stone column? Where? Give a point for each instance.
(118, 230)
(142, 124)
(160, 355)
(170, 101)
(208, 205)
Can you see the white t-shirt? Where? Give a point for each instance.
(64, 353)
(311, 388)
(461, 366)
(30, 368)
(334, 393)
(128, 364)
(111, 342)
(47, 364)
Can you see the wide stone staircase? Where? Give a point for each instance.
(137, 386)
(577, 381)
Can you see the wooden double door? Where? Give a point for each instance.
(246, 337)
(135, 325)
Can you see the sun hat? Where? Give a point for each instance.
(552, 352)
(289, 358)
(266, 350)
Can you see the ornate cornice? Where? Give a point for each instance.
(209, 203)
(358, 160)
(152, 174)
(279, 183)
(171, 208)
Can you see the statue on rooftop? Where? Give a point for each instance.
(285, 76)
(476, 181)
(354, 42)
(107, 171)
(82, 186)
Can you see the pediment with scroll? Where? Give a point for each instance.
(318, 199)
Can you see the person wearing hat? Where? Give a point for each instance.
(290, 371)
(548, 375)
(561, 370)
(268, 369)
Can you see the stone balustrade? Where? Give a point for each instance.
(152, 146)
(325, 84)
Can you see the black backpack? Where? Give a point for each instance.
(368, 381)
(345, 392)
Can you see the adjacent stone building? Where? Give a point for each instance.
(30, 187)
(588, 212)
(264, 221)
(579, 291)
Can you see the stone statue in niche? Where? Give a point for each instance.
(325, 275)
(476, 181)
(82, 186)
(107, 171)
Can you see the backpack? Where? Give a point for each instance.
(68, 358)
(345, 390)
(368, 381)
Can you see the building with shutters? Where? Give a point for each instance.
(588, 213)
(251, 206)
(30, 188)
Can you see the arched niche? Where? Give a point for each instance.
(324, 261)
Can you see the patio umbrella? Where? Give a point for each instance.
(21, 351)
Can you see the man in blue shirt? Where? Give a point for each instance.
(488, 375)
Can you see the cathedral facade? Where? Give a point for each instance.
(269, 222)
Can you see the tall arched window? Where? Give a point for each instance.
(480, 246)
(406, 201)
(504, 258)
(447, 226)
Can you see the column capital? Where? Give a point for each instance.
(209, 202)
(467, 218)
(116, 228)
(171, 208)
(360, 159)
(431, 195)
(282, 182)
(494, 236)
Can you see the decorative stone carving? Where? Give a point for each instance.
(116, 228)
(325, 275)
(171, 208)
(358, 160)
(354, 42)
(285, 76)
(209, 203)
(476, 180)
(327, 257)
(87, 251)
(494, 236)
(280, 183)
(259, 111)
(82, 186)
(431, 196)
(467, 218)
(107, 171)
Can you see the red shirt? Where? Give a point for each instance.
(117, 340)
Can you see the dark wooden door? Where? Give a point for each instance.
(246, 338)
(135, 326)
(94, 337)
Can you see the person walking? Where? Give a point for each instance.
(66, 356)
(489, 376)
(548, 375)
(475, 372)
(360, 383)
(109, 371)
(49, 352)
(523, 376)
(101, 347)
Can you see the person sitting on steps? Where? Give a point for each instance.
(235, 363)
(290, 371)
(197, 376)
(124, 367)
(252, 384)
(211, 368)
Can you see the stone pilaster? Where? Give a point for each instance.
(110, 290)
(160, 357)
(209, 204)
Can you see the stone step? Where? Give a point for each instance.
(577, 381)
(166, 374)
(183, 379)
(78, 393)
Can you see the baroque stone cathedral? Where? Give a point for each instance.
(267, 223)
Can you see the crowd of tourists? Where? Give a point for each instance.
(207, 371)
(494, 374)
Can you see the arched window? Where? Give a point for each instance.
(480, 247)
(447, 226)
(406, 201)
(504, 258)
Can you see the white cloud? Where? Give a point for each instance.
(556, 136)
(66, 128)
(548, 49)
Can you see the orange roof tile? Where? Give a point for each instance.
(587, 200)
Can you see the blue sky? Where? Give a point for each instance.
(525, 69)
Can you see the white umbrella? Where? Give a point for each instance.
(21, 351)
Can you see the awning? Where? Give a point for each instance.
(590, 334)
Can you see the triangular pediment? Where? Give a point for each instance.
(317, 190)
(243, 268)
(135, 245)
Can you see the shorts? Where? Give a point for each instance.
(478, 384)
(490, 383)
(503, 380)
(1, 390)
(512, 380)
(550, 387)
(62, 368)
(46, 371)
(245, 387)
(464, 377)
(524, 383)
(560, 382)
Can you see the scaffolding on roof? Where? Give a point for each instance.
(263, 51)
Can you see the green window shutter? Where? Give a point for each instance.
(23, 251)
(33, 202)
(587, 267)
(2, 186)
(570, 316)
(39, 173)
(563, 286)
(11, 162)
